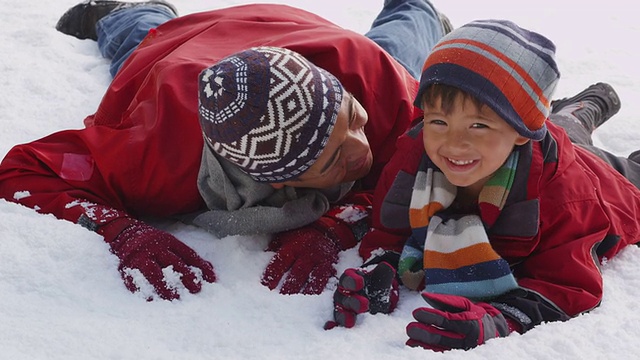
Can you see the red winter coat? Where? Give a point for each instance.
(142, 148)
(566, 211)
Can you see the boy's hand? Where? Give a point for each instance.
(361, 291)
(454, 322)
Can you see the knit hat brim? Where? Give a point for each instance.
(510, 69)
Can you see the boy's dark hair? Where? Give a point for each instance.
(447, 95)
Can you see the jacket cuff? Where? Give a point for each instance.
(528, 309)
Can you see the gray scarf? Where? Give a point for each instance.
(240, 205)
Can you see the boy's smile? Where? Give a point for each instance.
(467, 143)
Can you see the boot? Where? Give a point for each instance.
(80, 20)
(592, 106)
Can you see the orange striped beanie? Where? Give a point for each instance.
(510, 69)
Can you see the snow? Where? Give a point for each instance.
(61, 294)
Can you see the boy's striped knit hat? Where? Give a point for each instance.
(508, 68)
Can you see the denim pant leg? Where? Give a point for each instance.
(120, 32)
(407, 30)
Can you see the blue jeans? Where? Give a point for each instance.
(406, 29)
(120, 32)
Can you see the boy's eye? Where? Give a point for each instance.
(437, 122)
(479, 126)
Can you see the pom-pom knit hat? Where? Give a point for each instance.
(269, 111)
(508, 68)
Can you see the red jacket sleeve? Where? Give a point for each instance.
(56, 174)
(53, 176)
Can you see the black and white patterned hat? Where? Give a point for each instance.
(269, 111)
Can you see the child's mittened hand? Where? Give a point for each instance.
(361, 291)
(454, 322)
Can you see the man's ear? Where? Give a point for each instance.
(521, 140)
(277, 185)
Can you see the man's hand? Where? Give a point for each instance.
(454, 322)
(361, 291)
(149, 250)
(304, 258)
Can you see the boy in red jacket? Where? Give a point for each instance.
(490, 208)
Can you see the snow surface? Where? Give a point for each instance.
(61, 296)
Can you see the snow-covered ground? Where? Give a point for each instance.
(61, 296)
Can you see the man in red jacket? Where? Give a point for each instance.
(247, 120)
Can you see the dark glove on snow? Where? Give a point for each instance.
(454, 322)
(149, 250)
(361, 291)
(305, 257)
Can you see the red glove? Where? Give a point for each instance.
(455, 322)
(140, 246)
(308, 254)
(361, 291)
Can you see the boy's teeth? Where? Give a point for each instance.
(461, 162)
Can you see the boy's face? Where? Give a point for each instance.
(347, 155)
(468, 143)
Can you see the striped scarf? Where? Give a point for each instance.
(454, 249)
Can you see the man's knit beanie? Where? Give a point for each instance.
(269, 111)
(508, 68)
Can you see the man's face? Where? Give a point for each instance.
(469, 144)
(347, 155)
